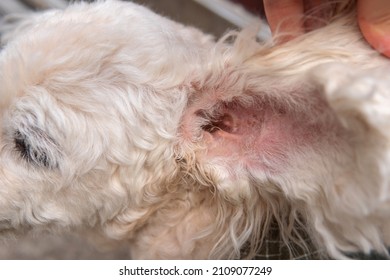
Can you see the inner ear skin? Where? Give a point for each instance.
(258, 136)
(223, 122)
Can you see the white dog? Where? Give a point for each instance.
(138, 129)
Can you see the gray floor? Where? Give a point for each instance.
(71, 247)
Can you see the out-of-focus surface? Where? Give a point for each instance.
(185, 11)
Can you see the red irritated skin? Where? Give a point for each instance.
(259, 135)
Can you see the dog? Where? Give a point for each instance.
(132, 128)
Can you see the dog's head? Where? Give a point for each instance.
(119, 120)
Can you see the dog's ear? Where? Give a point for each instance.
(360, 98)
(254, 130)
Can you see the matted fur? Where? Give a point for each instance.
(122, 123)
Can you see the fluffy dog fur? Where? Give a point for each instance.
(125, 124)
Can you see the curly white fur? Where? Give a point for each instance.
(135, 128)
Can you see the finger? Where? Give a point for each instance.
(285, 18)
(317, 14)
(374, 23)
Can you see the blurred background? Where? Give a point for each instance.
(211, 16)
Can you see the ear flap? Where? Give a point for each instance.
(359, 97)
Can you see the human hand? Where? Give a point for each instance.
(287, 17)
(374, 22)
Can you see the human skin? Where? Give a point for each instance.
(287, 17)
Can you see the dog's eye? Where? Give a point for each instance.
(21, 145)
(29, 153)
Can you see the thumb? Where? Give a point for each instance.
(374, 23)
